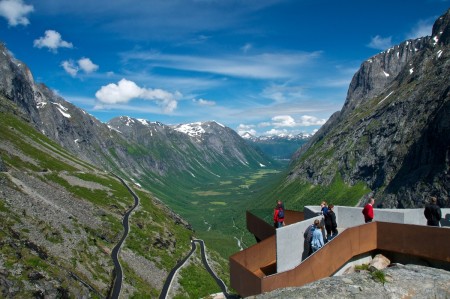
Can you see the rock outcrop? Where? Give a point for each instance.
(402, 281)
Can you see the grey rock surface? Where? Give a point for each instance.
(402, 281)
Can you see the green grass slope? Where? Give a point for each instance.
(62, 216)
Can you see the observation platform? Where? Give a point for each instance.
(278, 260)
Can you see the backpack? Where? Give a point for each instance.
(280, 213)
(308, 233)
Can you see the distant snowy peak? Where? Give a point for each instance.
(197, 129)
(130, 121)
(247, 135)
(301, 136)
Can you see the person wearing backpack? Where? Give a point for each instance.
(278, 215)
(317, 237)
(307, 235)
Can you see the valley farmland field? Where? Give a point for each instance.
(216, 209)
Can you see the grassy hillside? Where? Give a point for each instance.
(296, 193)
(61, 217)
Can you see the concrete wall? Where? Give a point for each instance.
(290, 242)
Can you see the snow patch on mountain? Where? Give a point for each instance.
(143, 121)
(62, 110)
(193, 129)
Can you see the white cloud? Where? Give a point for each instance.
(245, 127)
(380, 43)
(84, 64)
(87, 65)
(70, 67)
(52, 40)
(283, 121)
(276, 132)
(422, 28)
(15, 11)
(242, 128)
(288, 121)
(203, 102)
(125, 90)
(307, 120)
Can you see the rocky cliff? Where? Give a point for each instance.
(393, 132)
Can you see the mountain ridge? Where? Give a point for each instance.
(392, 132)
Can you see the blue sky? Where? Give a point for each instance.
(263, 66)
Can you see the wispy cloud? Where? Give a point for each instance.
(380, 43)
(15, 11)
(282, 93)
(126, 90)
(168, 20)
(421, 29)
(52, 40)
(203, 102)
(245, 48)
(260, 66)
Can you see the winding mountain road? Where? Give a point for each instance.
(118, 272)
(172, 273)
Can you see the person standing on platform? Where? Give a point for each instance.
(433, 212)
(368, 210)
(278, 215)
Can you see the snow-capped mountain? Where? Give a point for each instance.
(293, 137)
(279, 147)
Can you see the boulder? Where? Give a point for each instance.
(379, 262)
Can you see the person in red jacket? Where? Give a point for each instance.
(278, 215)
(368, 210)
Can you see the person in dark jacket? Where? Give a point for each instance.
(433, 212)
(323, 208)
(330, 223)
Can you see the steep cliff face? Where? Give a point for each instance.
(393, 130)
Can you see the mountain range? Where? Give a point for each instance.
(61, 207)
(391, 140)
(278, 147)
